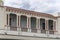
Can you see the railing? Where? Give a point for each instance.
(24, 32)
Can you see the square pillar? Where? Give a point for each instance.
(8, 22)
(38, 25)
(46, 26)
(54, 27)
(17, 21)
(18, 24)
(29, 23)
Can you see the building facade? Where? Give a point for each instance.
(20, 24)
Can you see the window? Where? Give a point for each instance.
(50, 23)
(23, 21)
(33, 25)
(42, 24)
(13, 22)
(33, 22)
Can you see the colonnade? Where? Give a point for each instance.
(40, 27)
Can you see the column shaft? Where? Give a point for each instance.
(8, 27)
(17, 21)
(38, 25)
(29, 24)
(54, 27)
(8, 19)
(19, 28)
(46, 26)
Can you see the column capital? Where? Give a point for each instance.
(8, 13)
(54, 20)
(18, 14)
(28, 16)
(46, 19)
(38, 17)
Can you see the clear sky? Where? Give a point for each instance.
(46, 6)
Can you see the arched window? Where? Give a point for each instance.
(13, 22)
(42, 25)
(23, 23)
(33, 24)
(50, 24)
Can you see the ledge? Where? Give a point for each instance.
(18, 33)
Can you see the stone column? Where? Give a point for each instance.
(38, 25)
(8, 20)
(29, 23)
(54, 26)
(17, 22)
(20, 22)
(46, 26)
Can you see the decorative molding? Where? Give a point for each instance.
(27, 12)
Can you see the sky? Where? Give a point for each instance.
(45, 6)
